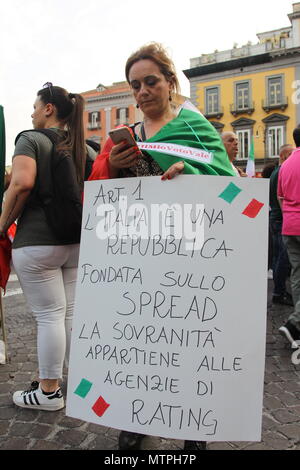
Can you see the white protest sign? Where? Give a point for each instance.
(169, 325)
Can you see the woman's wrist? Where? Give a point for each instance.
(113, 171)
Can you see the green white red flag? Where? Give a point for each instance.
(250, 169)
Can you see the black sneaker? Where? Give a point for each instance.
(130, 440)
(283, 299)
(194, 445)
(291, 333)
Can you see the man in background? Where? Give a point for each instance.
(280, 263)
(231, 145)
(289, 199)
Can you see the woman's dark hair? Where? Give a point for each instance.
(155, 52)
(69, 111)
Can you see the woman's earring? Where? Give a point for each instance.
(170, 97)
(137, 105)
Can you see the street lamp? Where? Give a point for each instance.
(257, 133)
(261, 131)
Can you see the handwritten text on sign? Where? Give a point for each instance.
(169, 324)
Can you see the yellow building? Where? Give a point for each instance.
(252, 91)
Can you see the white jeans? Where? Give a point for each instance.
(47, 275)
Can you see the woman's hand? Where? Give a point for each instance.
(175, 169)
(120, 158)
(242, 173)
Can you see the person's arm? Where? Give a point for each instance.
(280, 195)
(22, 182)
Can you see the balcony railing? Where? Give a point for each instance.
(268, 105)
(94, 125)
(214, 113)
(247, 108)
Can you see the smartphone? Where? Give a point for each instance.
(122, 134)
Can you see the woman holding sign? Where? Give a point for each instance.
(168, 142)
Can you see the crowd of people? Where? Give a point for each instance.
(47, 265)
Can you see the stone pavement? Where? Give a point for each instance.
(28, 429)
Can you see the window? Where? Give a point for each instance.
(244, 144)
(274, 90)
(269, 45)
(94, 120)
(282, 42)
(242, 95)
(212, 100)
(122, 115)
(275, 140)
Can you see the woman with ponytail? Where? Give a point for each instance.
(46, 267)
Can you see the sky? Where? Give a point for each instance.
(78, 44)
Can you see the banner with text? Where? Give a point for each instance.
(169, 324)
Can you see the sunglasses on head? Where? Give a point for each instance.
(49, 85)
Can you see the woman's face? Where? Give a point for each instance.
(150, 87)
(39, 114)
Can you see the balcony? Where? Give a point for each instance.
(94, 125)
(246, 108)
(214, 113)
(282, 104)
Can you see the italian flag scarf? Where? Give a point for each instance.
(191, 138)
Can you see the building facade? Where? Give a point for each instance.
(107, 107)
(252, 90)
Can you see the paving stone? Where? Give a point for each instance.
(97, 429)
(278, 442)
(71, 437)
(15, 444)
(219, 446)
(102, 443)
(6, 388)
(40, 431)
(272, 403)
(70, 422)
(20, 429)
(7, 412)
(291, 431)
(285, 416)
(257, 446)
(47, 445)
(4, 425)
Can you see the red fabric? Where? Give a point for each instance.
(5, 255)
(100, 169)
(5, 259)
(11, 232)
